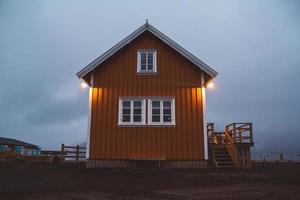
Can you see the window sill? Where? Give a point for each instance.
(147, 125)
(131, 124)
(147, 73)
(161, 125)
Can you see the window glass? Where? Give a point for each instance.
(162, 111)
(167, 104)
(155, 111)
(159, 111)
(137, 111)
(150, 62)
(137, 103)
(126, 111)
(167, 111)
(126, 104)
(155, 103)
(143, 61)
(146, 61)
(167, 118)
(131, 111)
(126, 118)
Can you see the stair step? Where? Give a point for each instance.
(220, 161)
(227, 167)
(221, 153)
(225, 160)
(225, 163)
(222, 156)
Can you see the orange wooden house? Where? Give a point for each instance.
(147, 103)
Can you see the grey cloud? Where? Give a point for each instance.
(254, 45)
(57, 111)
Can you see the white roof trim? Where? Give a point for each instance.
(134, 35)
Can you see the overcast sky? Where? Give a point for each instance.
(254, 46)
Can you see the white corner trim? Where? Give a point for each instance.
(89, 117)
(204, 116)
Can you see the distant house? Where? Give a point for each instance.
(17, 146)
(147, 103)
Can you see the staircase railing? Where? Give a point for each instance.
(211, 133)
(229, 139)
(233, 135)
(240, 133)
(217, 137)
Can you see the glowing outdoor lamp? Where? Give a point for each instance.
(84, 85)
(210, 84)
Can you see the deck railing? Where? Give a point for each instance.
(235, 133)
(240, 133)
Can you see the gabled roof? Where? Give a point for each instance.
(146, 27)
(14, 142)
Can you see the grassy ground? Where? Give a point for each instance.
(20, 180)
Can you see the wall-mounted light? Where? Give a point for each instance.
(84, 85)
(210, 84)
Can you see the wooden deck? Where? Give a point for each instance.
(235, 133)
(235, 142)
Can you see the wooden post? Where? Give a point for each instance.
(77, 152)
(281, 156)
(213, 159)
(240, 136)
(62, 155)
(251, 134)
(234, 133)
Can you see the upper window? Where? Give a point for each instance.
(146, 61)
(132, 111)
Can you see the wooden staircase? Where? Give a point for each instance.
(230, 149)
(223, 159)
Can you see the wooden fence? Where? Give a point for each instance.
(275, 164)
(72, 152)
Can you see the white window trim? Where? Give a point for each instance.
(161, 123)
(139, 70)
(143, 114)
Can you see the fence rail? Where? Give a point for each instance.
(275, 164)
(72, 152)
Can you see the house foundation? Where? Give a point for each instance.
(198, 164)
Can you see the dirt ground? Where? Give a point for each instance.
(19, 180)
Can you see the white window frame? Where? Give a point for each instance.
(161, 123)
(143, 113)
(139, 70)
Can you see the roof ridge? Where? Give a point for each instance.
(146, 26)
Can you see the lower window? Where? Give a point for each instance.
(161, 111)
(132, 112)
